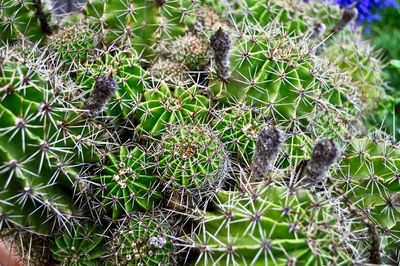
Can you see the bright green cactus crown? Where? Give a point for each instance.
(159, 132)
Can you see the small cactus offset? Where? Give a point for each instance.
(144, 239)
(83, 246)
(194, 132)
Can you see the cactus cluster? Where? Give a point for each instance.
(194, 132)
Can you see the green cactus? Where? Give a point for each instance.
(191, 160)
(74, 45)
(280, 76)
(357, 59)
(270, 227)
(138, 23)
(239, 127)
(44, 140)
(368, 175)
(82, 246)
(129, 79)
(126, 182)
(163, 107)
(146, 111)
(144, 239)
(182, 61)
(24, 20)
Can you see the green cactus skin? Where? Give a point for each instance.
(138, 23)
(368, 174)
(82, 246)
(163, 107)
(74, 45)
(286, 80)
(44, 140)
(22, 20)
(144, 239)
(191, 160)
(356, 58)
(272, 226)
(126, 183)
(129, 77)
(239, 127)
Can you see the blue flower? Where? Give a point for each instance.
(367, 9)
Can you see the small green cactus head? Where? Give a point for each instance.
(163, 107)
(239, 127)
(81, 246)
(144, 239)
(126, 182)
(191, 156)
(74, 45)
(114, 77)
(359, 62)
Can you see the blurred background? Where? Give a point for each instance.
(380, 21)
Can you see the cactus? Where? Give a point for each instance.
(144, 239)
(368, 176)
(287, 80)
(272, 226)
(162, 107)
(357, 59)
(74, 45)
(126, 182)
(125, 77)
(234, 128)
(238, 127)
(44, 142)
(191, 160)
(24, 20)
(138, 23)
(80, 247)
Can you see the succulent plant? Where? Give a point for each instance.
(74, 44)
(235, 128)
(43, 146)
(126, 182)
(272, 226)
(24, 20)
(138, 23)
(163, 107)
(81, 246)
(191, 160)
(357, 59)
(144, 239)
(126, 82)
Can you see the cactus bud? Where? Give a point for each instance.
(221, 44)
(317, 30)
(268, 144)
(324, 154)
(102, 93)
(348, 15)
(44, 25)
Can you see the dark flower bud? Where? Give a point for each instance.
(324, 155)
(105, 88)
(268, 144)
(221, 44)
(348, 15)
